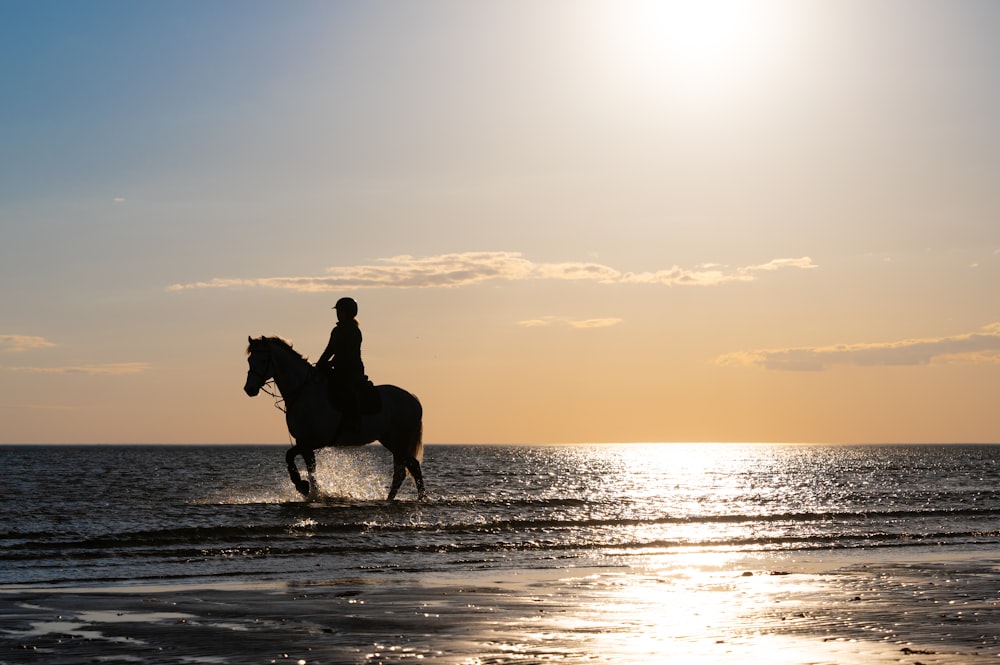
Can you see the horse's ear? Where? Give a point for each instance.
(249, 338)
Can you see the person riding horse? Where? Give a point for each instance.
(342, 360)
(314, 423)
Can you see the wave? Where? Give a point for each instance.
(347, 523)
(55, 557)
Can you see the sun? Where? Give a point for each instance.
(692, 45)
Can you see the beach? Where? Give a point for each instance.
(660, 608)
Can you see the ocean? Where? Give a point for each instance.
(109, 514)
(615, 519)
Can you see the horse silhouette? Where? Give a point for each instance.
(314, 422)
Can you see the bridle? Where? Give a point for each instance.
(264, 378)
(281, 402)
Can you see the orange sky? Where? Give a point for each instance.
(563, 221)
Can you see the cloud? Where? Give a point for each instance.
(18, 343)
(467, 268)
(711, 274)
(118, 200)
(982, 347)
(572, 323)
(112, 369)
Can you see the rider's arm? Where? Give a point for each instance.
(327, 352)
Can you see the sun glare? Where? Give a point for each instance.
(692, 45)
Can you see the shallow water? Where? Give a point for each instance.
(115, 514)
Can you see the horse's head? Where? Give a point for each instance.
(261, 366)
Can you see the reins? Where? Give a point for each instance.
(280, 402)
(271, 388)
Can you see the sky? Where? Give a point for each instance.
(563, 220)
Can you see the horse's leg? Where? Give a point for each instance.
(400, 465)
(413, 466)
(398, 476)
(310, 458)
(293, 470)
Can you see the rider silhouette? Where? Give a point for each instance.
(342, 358)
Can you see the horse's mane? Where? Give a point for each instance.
(276, 340)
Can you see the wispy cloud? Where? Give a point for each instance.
(572, 323)
(467, 268)
(981, 347)
(711, 274)
(112, 369)
(18, 343)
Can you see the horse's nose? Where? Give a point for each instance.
(251, 390)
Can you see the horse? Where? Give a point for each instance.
(315, 423)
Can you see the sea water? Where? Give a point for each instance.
(115, 515)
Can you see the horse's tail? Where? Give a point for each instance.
(415, 445)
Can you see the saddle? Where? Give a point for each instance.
(370, 399)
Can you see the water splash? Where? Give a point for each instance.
(352, 473)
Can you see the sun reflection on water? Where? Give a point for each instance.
(690, 607)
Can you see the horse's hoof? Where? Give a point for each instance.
(303, 487)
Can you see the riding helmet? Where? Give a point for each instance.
(348, 306)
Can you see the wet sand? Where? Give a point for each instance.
(654, 609)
